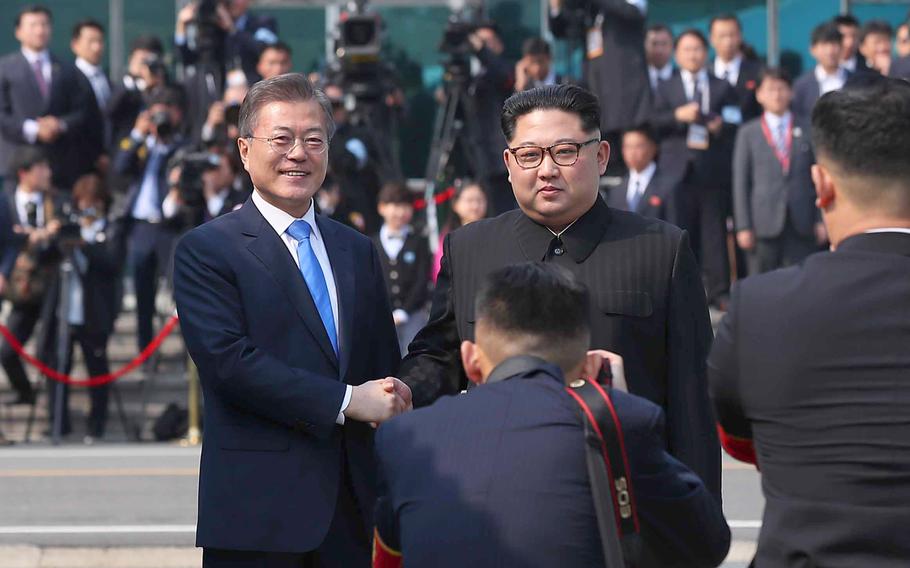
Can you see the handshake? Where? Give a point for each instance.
(377, 401)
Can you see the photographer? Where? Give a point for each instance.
(203, 185)
(142, 159)
(490, 87)
(92, 295)
(237, 35)
(30, 272)
(613, 32)
(220, 125)
(145, 73)
(535, 68)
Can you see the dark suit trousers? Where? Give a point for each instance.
(347, 544)
(703, 213)
(150, 250)
(786, 249)
(94, 352)
(21, 322)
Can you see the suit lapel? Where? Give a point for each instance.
(271, 251)
(644, 204)
(343, 270)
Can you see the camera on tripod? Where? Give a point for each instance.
(206, 32)
(358, 46)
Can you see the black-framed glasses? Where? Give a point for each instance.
(564, 153)
(284, 144)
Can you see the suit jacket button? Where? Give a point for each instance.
(393, 275)
(559, 251)
(396, 289)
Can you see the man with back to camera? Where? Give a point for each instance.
(505, 464)
(809, 368)
(649, 303)
(286, 315)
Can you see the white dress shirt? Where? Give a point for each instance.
(638, 181)
(689, 81)
(148, 203)
(904, 230)
(730, 67)
(98, 81)
(775, 121)
(280, 221)
(30, 125)
(22, 199)
(832, 82)
(656, 75)
(393, 245)
(850, 64)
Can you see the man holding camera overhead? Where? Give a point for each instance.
(142, 158)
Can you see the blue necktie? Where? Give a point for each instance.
(315, 279)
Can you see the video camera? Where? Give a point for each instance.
(206, 31)
(455, 43)
(358, 46)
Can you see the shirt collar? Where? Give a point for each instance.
(280, 220)
(523, 365)
(384, 232)
(821, 74)
(850, 64)
(888, 240)
(700, 75)
(87, 68)
(775, 120)
(32, 56)
(731, 66)
(24, 197)
(889, 230)
(579, 240)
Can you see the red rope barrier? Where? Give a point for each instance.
(439, 198)
(97, 380)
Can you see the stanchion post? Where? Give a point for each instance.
(194, 432)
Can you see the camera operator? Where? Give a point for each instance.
(220, 125)
(145, 73)
(535, 68)
(490, 87)
(31, 273)
(203, 185)
(92, 295)
(240, 35)
(142, 159)
(613, 32)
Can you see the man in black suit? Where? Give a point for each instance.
(659, 54)
(87, 45)
(142, 158)
(851, 60)
(30, 266)
(774, 200)
(41, 102)
(697, 148)
(649, 303)
(809, 368)
(504, 465)
(732, 65)
(875, 45)
(827, 75)
(615, 48)
(644, 189)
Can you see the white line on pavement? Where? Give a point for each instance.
(110, 452)
(98, 529)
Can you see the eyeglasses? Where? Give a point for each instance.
(564, 153)
(284, 144)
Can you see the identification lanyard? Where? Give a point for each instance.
(782, 157)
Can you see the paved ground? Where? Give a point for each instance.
(126, 504)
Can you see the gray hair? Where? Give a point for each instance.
(290, 87)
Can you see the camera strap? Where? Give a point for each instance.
(609, 475)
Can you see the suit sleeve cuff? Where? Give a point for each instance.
(30, 130)
(344, 404)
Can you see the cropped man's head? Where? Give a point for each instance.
(827, 45)
(848, 26)
(532, 309)
(861, 136)
(555, 156)
(658, 45)
(31, 167)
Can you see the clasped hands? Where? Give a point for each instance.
(378, 400)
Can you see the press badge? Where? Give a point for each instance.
(409, 257)
(595, 38)
(698, 137)
(732, 114)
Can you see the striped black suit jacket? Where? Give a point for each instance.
(648, 305)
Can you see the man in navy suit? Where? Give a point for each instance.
(498, 476)
(41, 102)
(286, 315)
(827, 75)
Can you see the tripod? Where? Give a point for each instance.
(448, 130)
